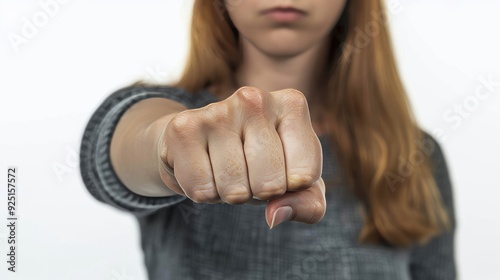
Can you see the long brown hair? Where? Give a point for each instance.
(365, 109)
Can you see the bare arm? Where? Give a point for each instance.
(133, 148)
(252, 145)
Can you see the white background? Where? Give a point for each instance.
(52, 82)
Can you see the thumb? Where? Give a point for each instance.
(307, 206)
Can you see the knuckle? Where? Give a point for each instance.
(270, 189)
(302, 181)
(297, 99)
(202, 193)
(237, 194)
(251, 97)
(216, 113)
(181, 124)
(318, 211)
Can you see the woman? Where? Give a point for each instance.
(287, 111)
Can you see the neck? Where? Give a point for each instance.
(304, 72)
(271, 73)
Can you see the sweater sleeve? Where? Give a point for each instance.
(436, 259)
(96, 170)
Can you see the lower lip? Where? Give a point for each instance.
(285, 16)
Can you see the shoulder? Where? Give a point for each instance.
(440, 171)
(431, 147)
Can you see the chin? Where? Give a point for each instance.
(284, 43)
(282, 51)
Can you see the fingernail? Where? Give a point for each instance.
(282, 214)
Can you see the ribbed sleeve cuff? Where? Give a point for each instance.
(95, 165)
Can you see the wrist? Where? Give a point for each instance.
(166, 172)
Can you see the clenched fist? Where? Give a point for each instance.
(252, 145)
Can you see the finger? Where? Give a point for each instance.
(166, 171)
(229, 166)
(265, 161)
(193, 171)
(307, 206)
(168, 177)
(189, 158)
(301, 146)
(261, 143)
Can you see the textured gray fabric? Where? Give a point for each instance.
(185, 240)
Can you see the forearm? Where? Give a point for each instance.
(133, 150)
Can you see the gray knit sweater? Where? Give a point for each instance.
(185, 240)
